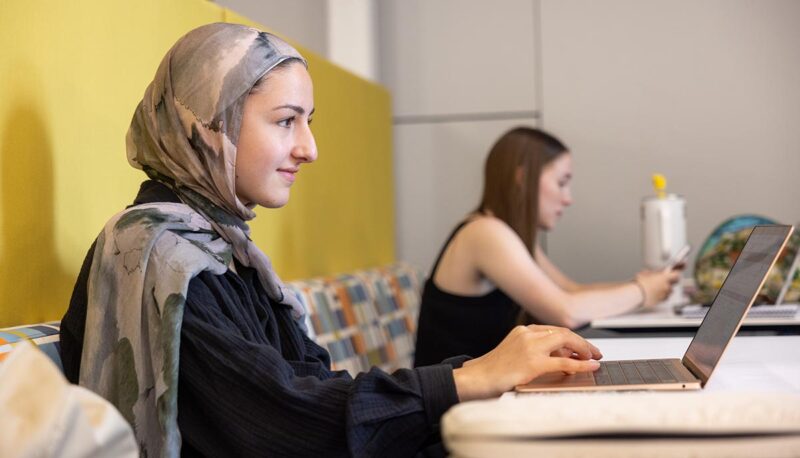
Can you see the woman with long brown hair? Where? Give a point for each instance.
(491, 271)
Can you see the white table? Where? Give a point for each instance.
(665, 318)
(762, 363)
(751, 365)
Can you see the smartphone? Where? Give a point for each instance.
(679, 258)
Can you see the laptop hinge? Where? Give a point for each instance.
(687, 363)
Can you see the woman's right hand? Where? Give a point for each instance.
(526, 353)
(656, 285)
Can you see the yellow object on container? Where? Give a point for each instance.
(660, 185)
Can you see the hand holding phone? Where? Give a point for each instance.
(679, 259)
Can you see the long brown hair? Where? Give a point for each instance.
(515, 201)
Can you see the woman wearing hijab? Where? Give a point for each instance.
(179, 319)
(491, 269)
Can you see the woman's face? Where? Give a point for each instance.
(554, 192)
(275, 137)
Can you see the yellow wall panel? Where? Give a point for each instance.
(71, 74)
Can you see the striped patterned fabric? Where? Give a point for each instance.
(366, 318)
(44, 335)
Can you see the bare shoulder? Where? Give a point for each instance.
(489, 230)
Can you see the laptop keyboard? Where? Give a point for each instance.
(634, 372)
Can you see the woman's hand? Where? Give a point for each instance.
(656, 285)
(526, 353)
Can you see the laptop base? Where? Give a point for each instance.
(585, 381)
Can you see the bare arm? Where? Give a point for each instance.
(563, 281)
(499, 255)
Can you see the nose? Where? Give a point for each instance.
(567, 197)
(305, 149)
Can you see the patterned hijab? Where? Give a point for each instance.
(184, 134)
(185, 131)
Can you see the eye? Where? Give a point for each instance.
(286, 122)
(310, 120)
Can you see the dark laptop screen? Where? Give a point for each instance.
(735, 296)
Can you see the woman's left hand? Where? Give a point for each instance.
(656, 285)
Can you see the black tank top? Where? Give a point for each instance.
(452, 325)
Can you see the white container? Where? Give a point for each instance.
(663, 229)
(663, 235)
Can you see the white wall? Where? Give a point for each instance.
(304, 21)
(461, 73)
(352, 39)
(706, 92)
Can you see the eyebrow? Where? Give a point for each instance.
(300, 110)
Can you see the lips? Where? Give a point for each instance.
(288, 174)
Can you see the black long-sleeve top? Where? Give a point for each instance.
(251, 383)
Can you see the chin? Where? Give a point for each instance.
(546, 226)
(276, 204)
(273, 201)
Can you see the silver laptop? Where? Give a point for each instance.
(721, 323)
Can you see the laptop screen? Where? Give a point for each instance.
(735, 296)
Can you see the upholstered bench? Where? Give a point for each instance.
(44, 335)
(365, 318)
